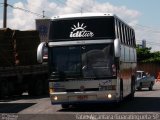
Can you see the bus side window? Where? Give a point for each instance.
(117, 29)
(129, 36)
(124, 34)
(121, 33)
(134, 41)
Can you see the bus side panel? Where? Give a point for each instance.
(127, 66)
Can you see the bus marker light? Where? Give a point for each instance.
(51, 90)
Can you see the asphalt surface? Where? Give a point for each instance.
(24, 107)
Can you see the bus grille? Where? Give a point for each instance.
(79, 90)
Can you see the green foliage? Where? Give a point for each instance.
(145, 55)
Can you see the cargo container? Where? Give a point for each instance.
(19, 70)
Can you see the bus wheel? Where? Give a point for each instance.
(4, 91)
(131, 96)
(65, 106)
(121, 90)
(39, 87)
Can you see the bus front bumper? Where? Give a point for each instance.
(83, 97)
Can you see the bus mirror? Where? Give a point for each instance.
(40, 49)
(117, 50)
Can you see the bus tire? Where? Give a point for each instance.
(39, 87)
(65, 106)
(131, 95)
(4, 91)
(121, 90)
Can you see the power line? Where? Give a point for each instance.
(148, 42)
(152, 43)
(27, 11)
(64, 3)
(79, 9)
(146, 28)
(1, 4)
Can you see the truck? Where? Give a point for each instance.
(144, 80)
(19, 69)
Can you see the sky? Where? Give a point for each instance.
(142, 15)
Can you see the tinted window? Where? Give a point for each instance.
(97, 61)
(88, 61)
(82, 28)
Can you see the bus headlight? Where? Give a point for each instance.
(109, 96)
(55, 98)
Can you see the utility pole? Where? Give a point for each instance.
(81, 10)
(43, 13)
(5, 14)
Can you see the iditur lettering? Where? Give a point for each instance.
(82, 34)
(80, 31)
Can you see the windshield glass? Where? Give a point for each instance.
(66, 60)
(97, 61)
(88, 61)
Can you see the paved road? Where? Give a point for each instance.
(145, 102)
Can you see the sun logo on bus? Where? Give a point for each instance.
(79, 30)
(78, 27)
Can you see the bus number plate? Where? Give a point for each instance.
(82, 97)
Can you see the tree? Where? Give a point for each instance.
(145, 55)
(154, 59)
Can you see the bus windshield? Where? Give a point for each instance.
(87, 61)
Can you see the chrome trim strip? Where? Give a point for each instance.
(82, 42)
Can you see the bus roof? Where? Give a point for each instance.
(83, 15)
(78, 15)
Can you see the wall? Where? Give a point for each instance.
(152, 68)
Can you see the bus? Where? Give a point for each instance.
(91, 59)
